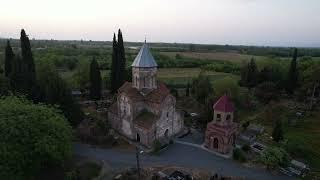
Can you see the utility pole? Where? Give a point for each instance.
(138, 163)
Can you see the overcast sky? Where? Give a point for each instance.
(247, 22)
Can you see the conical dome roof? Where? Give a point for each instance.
(224, 104)
(144, 58)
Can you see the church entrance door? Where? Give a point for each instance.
(166, 134)
(215, 143)
(138, 138)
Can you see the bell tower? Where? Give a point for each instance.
(144, 70)
(223, 111)
(221, 131)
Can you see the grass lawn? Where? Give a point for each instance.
(303, 138)
(306, 137)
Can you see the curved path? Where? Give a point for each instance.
(177, 155)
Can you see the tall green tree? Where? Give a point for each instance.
(53, 90)
(9, 55)
(266, 91)
(81, 76)
(34, 137)
(114, 74)
(292, 81)
(252, 74)
(227, 86)
(277, 133)
(121, 59)
(249, 75)
(311, 82)
(27, 60)
(4, 85)
(18, 82)
(95, 80)
(188, 90)
(202, 88)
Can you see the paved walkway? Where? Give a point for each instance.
(227, 156)
(177, 155)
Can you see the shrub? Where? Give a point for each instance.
(156, 146)
(274, 157)
(266, 92)
(246, 148)
(277, 133)
(245, 125)
(171, 141)
(239, 155)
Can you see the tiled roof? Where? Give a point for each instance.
(144, 58)
(224, 104)
(114, 108)
(155, 96)
(145, 120)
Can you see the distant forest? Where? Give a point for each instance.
(174, 47)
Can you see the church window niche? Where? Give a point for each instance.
(138, 137)
(136, 81)
(228, 117)
(218, 117)
(215, 143)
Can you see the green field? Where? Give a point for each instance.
(230, 57)
(181, 76)
(171, 76)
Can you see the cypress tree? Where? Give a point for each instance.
(121, 59)
(292, 81)
(252, 74)
(188, 90)
(95, 80)
(27, 60)
(249, 75)
(277, 133)
(17, 75)
(9, 56)
(114, 66)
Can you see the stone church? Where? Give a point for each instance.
(145, 110)
(221, 131)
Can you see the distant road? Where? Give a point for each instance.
(178, 155)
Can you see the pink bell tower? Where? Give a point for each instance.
(221, 131)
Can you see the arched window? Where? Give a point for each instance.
(138, 138)
(218, 117)
(228, 117)
(144, 81)
(215, 143)
(166, 133)
(136, 81)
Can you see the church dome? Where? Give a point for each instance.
(144, 58)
